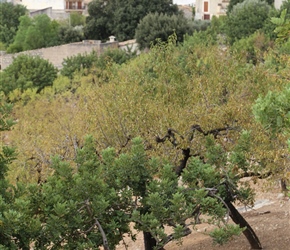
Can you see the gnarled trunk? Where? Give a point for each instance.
(249, 232)
(149, 241)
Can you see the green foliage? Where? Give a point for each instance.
(246, 18)
(252, 48)
(234, 2)
(201, 25)
(285, 5)
(208, 32)
(9, 21)
(193, 12)
(69, 34)
(97, 23)
(39, 32)
(76, 19)
(231, 5)
(121, 18)
(117, 56)
(7, 154)
(78, 201)
(83, 63)
(107, 192)
(272, 110)
(156, 26)
(223, 235)
(78, 63)
(194, 89)
(27, 72)
(282, 28)
(269, 27)
(16, 222)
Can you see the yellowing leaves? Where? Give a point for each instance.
(157, 91)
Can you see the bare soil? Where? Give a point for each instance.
(270, 219)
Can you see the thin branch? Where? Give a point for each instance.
(253, 174)
(105, 240)
(225, 204)
(97, 223)
(170, 237)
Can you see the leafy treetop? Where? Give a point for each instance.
(120, 18)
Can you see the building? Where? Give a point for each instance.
(206, 9)
(278, 3)
(55, 5)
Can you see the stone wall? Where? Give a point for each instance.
(57, 54)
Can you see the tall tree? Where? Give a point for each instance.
(35, 33)
(9, 21)
(120, 18)
(161, 26)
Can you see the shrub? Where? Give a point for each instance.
(27, 72)
(252, 48)
(77, 63)
(246, 18)
(161, 26)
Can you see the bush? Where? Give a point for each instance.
(27, 72)
(68, 34)
(246, 18)
(235, 2)
(252, 48)
(201, 25)
(82, 63)
(77, 63)
(77, 19)
(161, 26)
(117, 56)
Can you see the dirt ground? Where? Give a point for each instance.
(270, 219)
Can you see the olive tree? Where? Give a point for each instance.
(156, 26)
(246, 18)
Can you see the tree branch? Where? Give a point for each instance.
(253, 174)
(105, 241)
(170, 237)
(97, 223)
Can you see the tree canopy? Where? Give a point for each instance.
(246, 18)
(161, 26)
(232, 3)
(39, 32)
(161, 141)
(9, 21)
(27, 72)
(120, 18)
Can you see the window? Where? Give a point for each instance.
(206, 17)
(205, 6)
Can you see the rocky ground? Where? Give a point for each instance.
(270, 218)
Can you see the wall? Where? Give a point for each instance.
(51, 13)
(57, 54)
(278, 3)
(42, 4)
